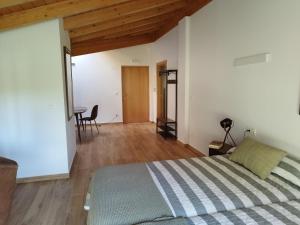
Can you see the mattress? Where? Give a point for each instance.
(185, 188)
(287, 213)
(206, 185)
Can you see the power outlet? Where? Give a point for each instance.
(254, 131)
(250, 132)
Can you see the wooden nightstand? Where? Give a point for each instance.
(220, 151)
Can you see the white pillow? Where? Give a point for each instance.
(289, 169)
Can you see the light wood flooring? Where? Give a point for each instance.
(61, 202)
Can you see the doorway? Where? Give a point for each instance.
(135, 94)
(159, 90)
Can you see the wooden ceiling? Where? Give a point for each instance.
(100, 25)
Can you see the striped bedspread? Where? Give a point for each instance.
(287, 213)
(207, 185)
(196, 191)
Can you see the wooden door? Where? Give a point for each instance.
(135, 92)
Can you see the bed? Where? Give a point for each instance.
(270, 214)
(192, 191)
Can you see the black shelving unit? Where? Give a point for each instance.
(165, 126)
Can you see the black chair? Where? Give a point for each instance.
(93, 117)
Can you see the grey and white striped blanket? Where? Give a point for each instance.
(189, 190)
(199, 186)
(285, 213)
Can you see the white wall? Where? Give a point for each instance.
(97, 79)
(70, 128)
(165, 48)
(260, 96)
(183, 79)
(33, 123)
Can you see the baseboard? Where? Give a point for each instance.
(137, 123)
(116, 123)
(100, 124)
(192, 149)
(182, 144)
(43, 178)
(74, 158)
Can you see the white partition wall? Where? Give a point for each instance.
(34, 130)
(183, 79)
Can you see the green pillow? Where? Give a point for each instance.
(259, 158)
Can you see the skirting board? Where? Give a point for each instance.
(43, 178)
(100, 124)
(192, 149)
(118, 123)
(47, 177)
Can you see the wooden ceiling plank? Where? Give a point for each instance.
(92, 47)
(193, 6)
(136, 34)
(38, 3)
(133, 32)
(100, 41)
(51, 11)
(169, 10)
(126, 27)
(114, 12)
(9, 3)
(117, 35)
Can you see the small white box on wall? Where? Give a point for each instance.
(252, 59)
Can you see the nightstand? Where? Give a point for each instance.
(223, 150)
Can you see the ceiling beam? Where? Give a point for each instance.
(193, 6)
(105, 45)
(122, 28)
(109, 13)
(167, 9)
(138, 33)
(51, 11)
(133, 32)
(8, 3)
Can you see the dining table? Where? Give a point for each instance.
(78, 111)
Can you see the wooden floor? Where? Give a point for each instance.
(61, 202)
